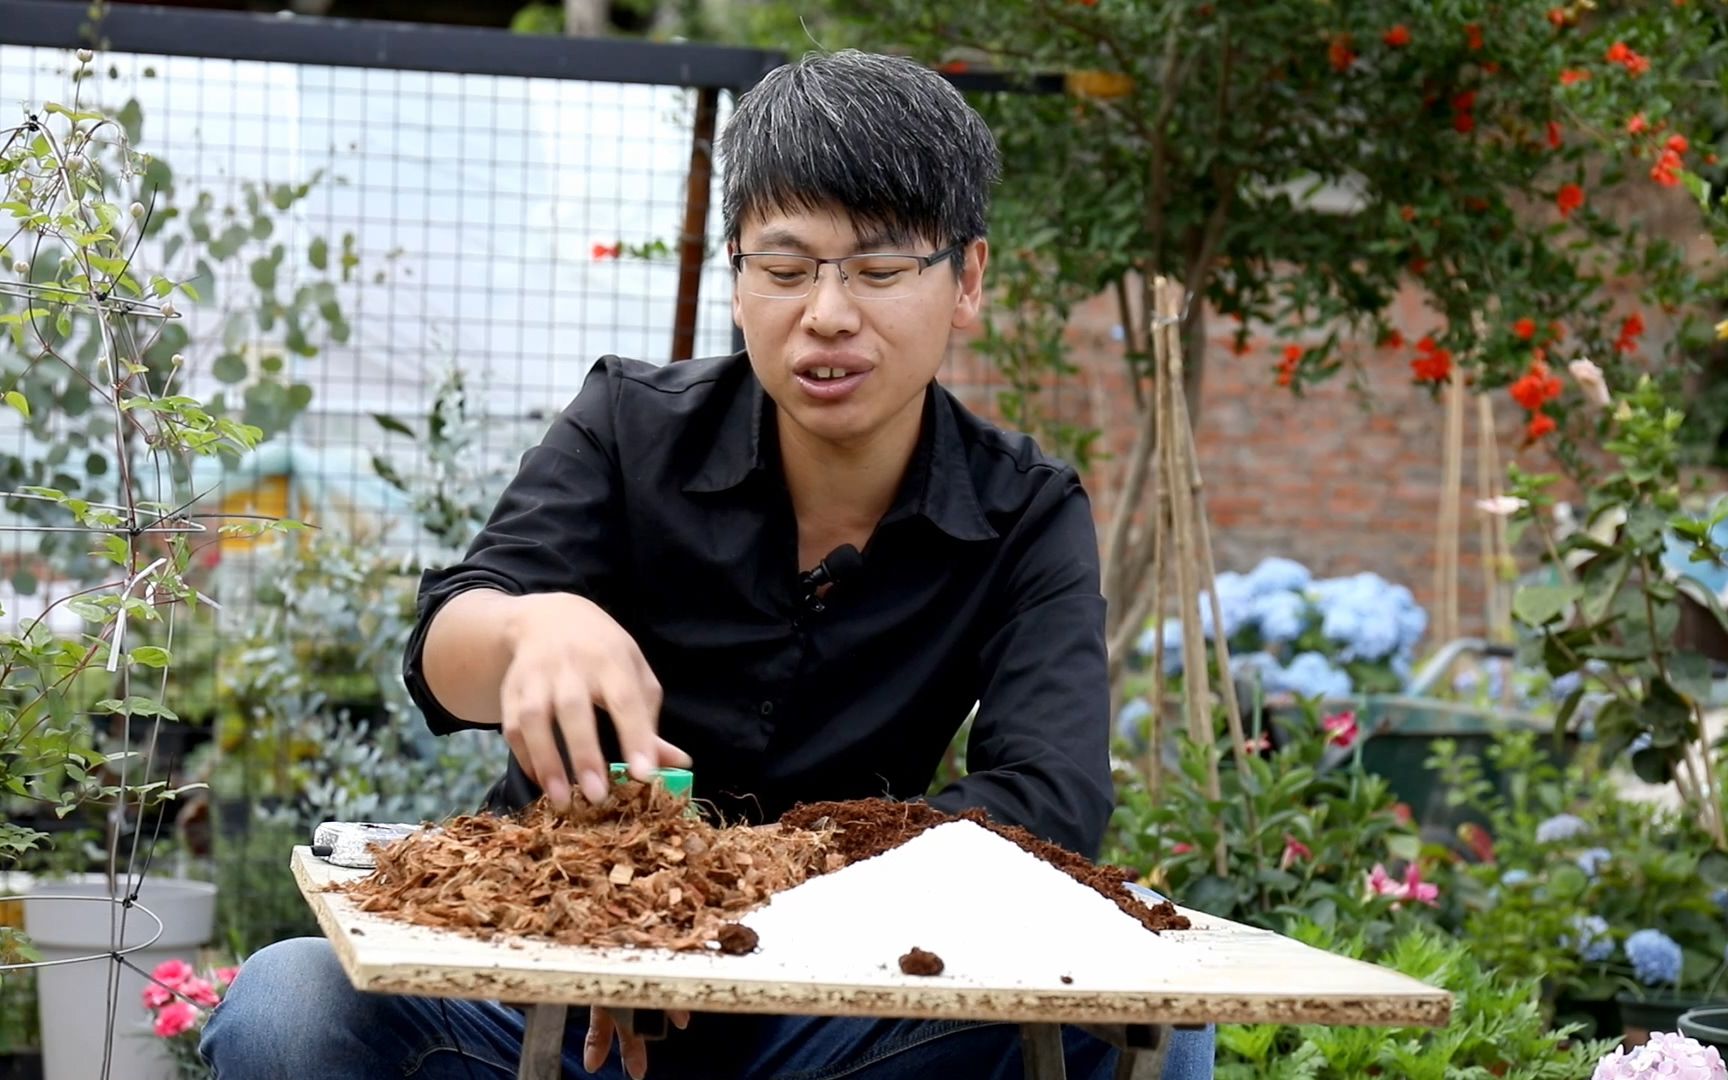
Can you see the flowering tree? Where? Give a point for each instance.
(1297, 165)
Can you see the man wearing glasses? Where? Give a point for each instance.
(799, 568)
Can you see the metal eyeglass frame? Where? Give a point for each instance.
(925, 262)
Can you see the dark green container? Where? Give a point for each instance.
(1709, 1025)
(1399, 735)
(1643, 1016)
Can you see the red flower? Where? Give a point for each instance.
(1525, 328)
(1419, 266)
(175, 1018)
(1569, 198)
(1397, 37)
(1292, 353)
(1666, 171)
(1678, 144)
(1637, 65)
(1181, 848)
(1339, 53)
(602, 251)
(955, 67)
(1392, 340)
(1294, 849)
(1473, 36)
(1535, 387)
(1618, 53)
(1557, 16)
(1403, 813)
(1463, 123)
(1490, 67)
(1464, 102)
(1630, 328)
(1287, 366)
(1341, 728)
(1540, 425)
(1408, 213)
(1432, 364)
(1573, 75)
(1637, 125)
(1555, 136)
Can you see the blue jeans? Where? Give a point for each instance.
(292, 1015)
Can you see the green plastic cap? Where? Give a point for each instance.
(676, 781)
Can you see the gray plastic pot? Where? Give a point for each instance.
(1708, 1025)
(72, 917)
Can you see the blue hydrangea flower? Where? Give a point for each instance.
(1311, 675)
(1281, 616)
(1655, 958)
(1275, 575)
(1261, 666)
(1235, 597)
(1594, 944)
(1362, 613)
(1130, 720)
(1561, 828)
(1561, 688)
(1514, 878)
(1593, 860)
(1172, 634)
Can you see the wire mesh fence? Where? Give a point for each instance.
(403, 270)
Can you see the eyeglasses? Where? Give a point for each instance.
(886, 276)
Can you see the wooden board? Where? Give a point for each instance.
(1220, 971)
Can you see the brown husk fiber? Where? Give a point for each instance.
(638, 871)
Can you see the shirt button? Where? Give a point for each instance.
(767, 708)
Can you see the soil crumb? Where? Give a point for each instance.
(920, 962)
(862, 828)
(736, 939)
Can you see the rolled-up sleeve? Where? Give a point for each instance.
(1039, 753)
(552, 530)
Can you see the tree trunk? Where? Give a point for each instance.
(585, 18)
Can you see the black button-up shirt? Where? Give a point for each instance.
(658, 494)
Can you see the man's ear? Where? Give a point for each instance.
(971, 298)
(737, 316)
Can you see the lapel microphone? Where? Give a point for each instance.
(839, 564)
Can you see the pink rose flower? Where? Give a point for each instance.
(156, 996)
(201, 992)
(1294, 850)
(1380, 883)
(226, 976)
(172, 972)
(175, 1019)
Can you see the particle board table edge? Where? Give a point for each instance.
(377, 966)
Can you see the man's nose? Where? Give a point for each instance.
(830, 308)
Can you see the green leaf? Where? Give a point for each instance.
(264, 274)
(135, 706)
(1567, 882)
(229, 368)
(319, 254)
(1539, 605)
(390, 423)
(150, 656)
(17, 401)
(1713, 869)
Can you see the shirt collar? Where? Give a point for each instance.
(938, 484)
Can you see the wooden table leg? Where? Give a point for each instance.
(543, 1043)
(1041, 1046)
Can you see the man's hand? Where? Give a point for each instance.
(632, 1048)
(567, 656)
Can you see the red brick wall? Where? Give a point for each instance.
(1343, 479)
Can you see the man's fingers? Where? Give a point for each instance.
(575, 703)
(598, 1044)
(680, 1018)
(528, 730)
(634, 705)
(671, 755)
(633, 1052)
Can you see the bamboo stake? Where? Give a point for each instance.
(1451, 491)
(1155, 747)
(1179, 491)
(1485, 491)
